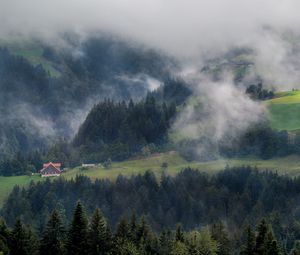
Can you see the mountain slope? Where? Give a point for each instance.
(46, 92)
(284, 111)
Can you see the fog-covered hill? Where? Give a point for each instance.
(46, 91)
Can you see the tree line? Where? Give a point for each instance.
(111, 131)
(238, 197)
(132, 237)
(119, 130)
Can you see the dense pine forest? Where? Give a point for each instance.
(118, 131)
(132, 237)
(206, 206)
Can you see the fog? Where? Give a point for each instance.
(184, 28)
(192, 31)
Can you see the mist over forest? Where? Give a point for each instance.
(173, 127)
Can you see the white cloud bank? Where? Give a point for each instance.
(181, 27)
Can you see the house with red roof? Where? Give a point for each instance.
(51, 169)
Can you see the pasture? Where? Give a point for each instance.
(175, 163)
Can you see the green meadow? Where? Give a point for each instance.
(288, 165)
(284, 111)
(33, 52)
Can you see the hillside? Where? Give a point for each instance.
(34, 53)
(46, 91)
(285, 111)
(175, 163)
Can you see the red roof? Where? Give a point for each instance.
(51, 168)
(57, 165)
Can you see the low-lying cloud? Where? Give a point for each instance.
(180, 27)
(217, 111)
(192, 31)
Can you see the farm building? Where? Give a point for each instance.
(88, 165)
(51, 169)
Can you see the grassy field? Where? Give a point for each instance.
(7, 184)
(288, 165)
(284, 111)
(32, 52)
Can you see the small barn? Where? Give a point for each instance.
(51, 169)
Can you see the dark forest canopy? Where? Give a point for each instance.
(237, 197)
(134, 236)
(118, 130)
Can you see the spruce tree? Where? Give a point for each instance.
(23, 241)
(143, 230)
(165, 242)
(249, 247)
(53, 238)
(265, 240)
(219, 233)
(133, 228)
(144, 236)
(273, 249)
(97, 238)
(122, 243)
(261, 239)
(4, 237)
(179, 234)
(123, 231)
(77, 236)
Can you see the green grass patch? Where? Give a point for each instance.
(7, 184)
(284, 116)
(35, 57)
(31, 51)
(286, 97)
(284, 111)
(287, 165)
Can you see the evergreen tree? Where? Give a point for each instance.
(143, 230)
(261, 239)
(179, 234)
(265, 240)
(97, 237)
(219, 233)
(165, 242)
(273, 249)
(123, 231)
(179, 248)
(133, 228)
(144, 236)
(122, 243)
(249, 247)
(23, 241)
(52, 242)
(4, 237)
(77, 236)
(202, 242)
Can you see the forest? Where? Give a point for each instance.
(38, 108)
(117, 131)
(126, 119)
(238, 198)
(132, 236)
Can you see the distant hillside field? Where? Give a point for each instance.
(33, 52)
(175, 163)
(284, 111)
